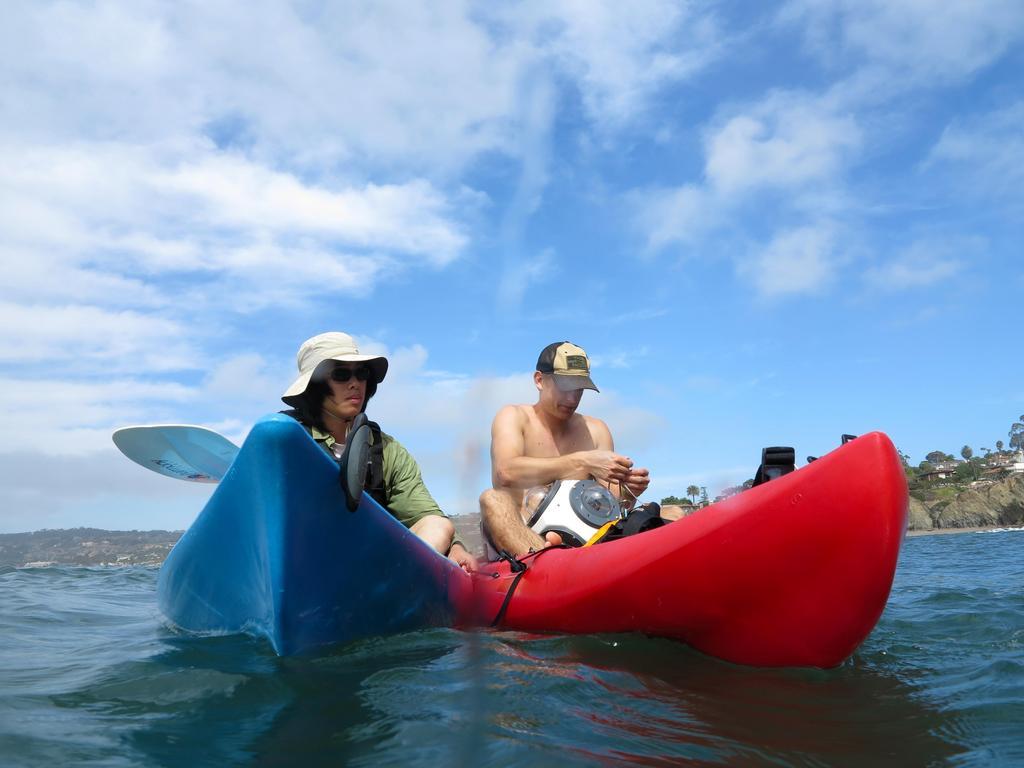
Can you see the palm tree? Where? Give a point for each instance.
(693, 491)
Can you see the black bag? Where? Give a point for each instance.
(646, 517)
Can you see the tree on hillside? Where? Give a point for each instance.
(672, 500)
(966, 452)
(936, 457)
(703, 495)
(1017, 435)
(965, 472)
(692, 492)
(999, 446)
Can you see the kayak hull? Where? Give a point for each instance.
(276, 553)
(795, 572)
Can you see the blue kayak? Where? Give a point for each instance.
(276, 553)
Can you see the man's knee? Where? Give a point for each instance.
(493, 501)
(488, 498)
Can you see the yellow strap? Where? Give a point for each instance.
(600, 533)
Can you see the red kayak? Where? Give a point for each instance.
(794, 572)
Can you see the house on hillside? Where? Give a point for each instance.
(687, 506)
(1004, 464)
(941, 471)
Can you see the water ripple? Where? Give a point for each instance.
(89, 674)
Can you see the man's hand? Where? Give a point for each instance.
(607, 466)
(637, 481)
(462, 558)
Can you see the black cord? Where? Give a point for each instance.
(519, 568)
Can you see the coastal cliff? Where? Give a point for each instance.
(998, 504)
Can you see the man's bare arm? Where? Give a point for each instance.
(636, 479)
(512, 468)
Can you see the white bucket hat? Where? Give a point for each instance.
(330, 346)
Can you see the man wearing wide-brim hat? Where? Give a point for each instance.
(334, 385)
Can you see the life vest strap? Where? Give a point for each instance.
(375, 487)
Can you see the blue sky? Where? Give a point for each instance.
(767, 224)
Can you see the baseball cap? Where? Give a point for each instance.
(568, 365)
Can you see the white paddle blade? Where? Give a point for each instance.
(181, 451)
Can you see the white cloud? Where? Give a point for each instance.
(59, 415)
(248, 378)
(918, 266)
(423, 399)
(315, 86)
(115, 219)
(106, 194)
(73, 337)
(787, 140)
(234, 194)
(233, 148)
(788, 154)
(988, 149)
(910, 42)
(428, 87)
(622, 358)
(636, 430)
(621, 54)
(682, 215)
(790, 141)
(796, 261)
(518, 277)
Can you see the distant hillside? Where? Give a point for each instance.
(93, 546)
(86, 546)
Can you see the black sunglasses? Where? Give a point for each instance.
(340, 374)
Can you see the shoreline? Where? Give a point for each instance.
(944, 531)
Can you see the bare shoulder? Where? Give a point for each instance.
(510, 417)
(598, 431)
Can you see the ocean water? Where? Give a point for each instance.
(90, 675)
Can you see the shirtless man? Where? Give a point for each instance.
(533, 445)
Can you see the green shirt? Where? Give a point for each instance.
(408, 498)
